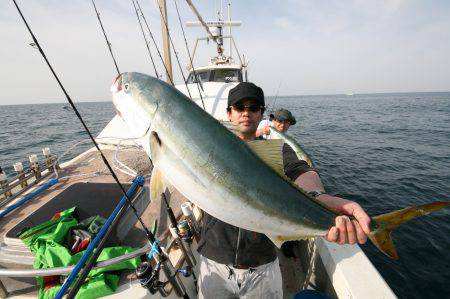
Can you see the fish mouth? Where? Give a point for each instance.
(116, 87)
(117, 84)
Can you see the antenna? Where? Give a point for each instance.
(229, 28)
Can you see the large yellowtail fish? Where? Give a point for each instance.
(240, 183)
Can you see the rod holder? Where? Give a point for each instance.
(34, 166)
(4, 183)
(18, 167)
(48, 156)
(186, 208)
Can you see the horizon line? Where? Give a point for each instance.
(279, 96)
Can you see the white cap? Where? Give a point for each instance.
(18, 166)
(33, 158)
(187, 209)
(46, 151)
(2, 176)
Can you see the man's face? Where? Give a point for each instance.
(244, 116)
(281, 125)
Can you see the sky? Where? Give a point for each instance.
(301, 47)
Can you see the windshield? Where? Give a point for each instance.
(224, 75)
(216, 75)
(202, 75)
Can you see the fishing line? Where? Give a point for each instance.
(154, 42)
(106, 38)
(275, 100)
(145, 38)
(173, 47)
(199, 84)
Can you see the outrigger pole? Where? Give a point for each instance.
(199, 17)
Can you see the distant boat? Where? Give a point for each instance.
(350, 94)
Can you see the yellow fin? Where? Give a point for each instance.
(270, 151)
(383, 225)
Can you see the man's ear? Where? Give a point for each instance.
(229, 114)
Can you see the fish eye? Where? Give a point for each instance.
(126, 87)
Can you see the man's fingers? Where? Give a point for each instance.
(363, 218)
(351, 231)
(360, 234)
(342, 227)
(332, 234)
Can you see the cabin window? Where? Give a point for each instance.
(202, 75)
(224, 75)
(217, 75)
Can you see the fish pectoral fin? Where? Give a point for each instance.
(383, 225)
(279, 240)
(158, 185)
(155, 145)
(270, 151)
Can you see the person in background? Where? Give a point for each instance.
(281, 120)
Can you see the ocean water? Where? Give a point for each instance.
(385, 151)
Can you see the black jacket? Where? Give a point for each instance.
(230, 245)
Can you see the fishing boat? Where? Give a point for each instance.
(50, 186)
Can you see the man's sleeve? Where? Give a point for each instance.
(293, 167)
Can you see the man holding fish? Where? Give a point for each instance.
(242, 263)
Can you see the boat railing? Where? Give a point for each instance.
(24, 179)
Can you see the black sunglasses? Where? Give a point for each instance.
(252, 108)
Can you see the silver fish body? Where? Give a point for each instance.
(216, 170)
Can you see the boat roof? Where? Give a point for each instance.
(219, 66)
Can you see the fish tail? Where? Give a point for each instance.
(383, 225)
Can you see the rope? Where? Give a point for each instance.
(190, 57)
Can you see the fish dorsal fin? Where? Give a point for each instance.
(230, 126)
(270, 151)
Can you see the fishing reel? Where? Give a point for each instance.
(185, 230)
(149, 277)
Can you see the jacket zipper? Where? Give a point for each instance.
(237, 247)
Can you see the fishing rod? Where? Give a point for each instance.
(106, 38)
(80, 118)
(149, 235)
(99, 242)
(145, 38)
